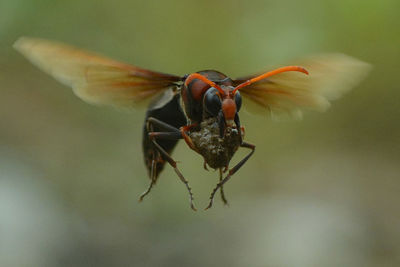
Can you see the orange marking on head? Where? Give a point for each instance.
(229, 110)
(198, 88)
(193, 76)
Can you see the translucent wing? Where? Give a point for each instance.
(289, 93)
(95, 79)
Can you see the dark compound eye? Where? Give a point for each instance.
(212, 102)
(238, 101)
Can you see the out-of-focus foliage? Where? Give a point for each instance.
(320, 192)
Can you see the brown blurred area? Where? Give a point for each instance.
(323, 191)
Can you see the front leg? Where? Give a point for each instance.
(232, 171)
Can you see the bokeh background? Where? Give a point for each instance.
(324, 191)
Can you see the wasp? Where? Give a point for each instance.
(202, 108)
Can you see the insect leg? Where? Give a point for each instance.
(173, 134)
(152, 177)
(187, 138)
(172, 162)
(232, 171)
(155, 158)
(222, 188)
(165, 126)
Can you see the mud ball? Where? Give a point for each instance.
(216, 151)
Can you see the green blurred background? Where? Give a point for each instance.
(320, 192)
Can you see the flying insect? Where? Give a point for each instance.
(202, 108)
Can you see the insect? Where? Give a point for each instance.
(202, 108)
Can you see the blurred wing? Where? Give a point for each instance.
(289, 93)
(93, 78)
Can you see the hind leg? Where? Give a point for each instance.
(222, 188)
(155, 156)
(171, 133)
(153, 176)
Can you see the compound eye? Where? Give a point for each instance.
(238, 101)
(212, 102)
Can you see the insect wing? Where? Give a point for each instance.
(290, 93)
(93, 78)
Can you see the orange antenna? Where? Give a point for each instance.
(193, 76)
(268, 74)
